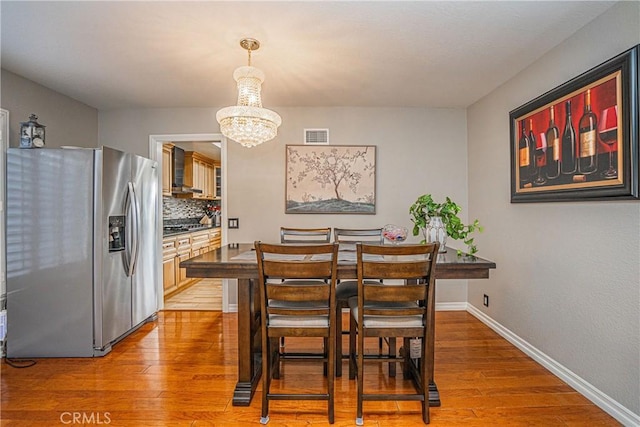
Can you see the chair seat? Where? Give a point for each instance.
(278, 321)
(373, 321)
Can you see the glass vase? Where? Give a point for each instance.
(436, 232)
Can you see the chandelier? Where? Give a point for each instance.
(248, 123)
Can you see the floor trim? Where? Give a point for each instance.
(606, 403)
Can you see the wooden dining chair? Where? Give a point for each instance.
(305, 235)
(345, 289)
(404, 309)
(297, 299)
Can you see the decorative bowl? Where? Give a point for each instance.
(394, 233)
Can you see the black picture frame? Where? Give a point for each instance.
(605, 151)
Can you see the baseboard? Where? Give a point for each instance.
(603, 401)
(440, 306)
(451, 306)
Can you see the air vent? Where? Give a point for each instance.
(316, 136)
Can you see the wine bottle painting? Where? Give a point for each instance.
(572, 142)
(579, 141)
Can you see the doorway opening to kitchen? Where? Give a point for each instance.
(193, 205)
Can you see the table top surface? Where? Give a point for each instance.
(221, 263)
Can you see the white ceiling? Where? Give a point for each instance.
(113, 55)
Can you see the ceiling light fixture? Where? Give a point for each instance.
(248, 123)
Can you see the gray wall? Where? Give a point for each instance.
(67, 121)
(568, 276)
(418, 151)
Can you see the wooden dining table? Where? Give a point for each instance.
(235, 261)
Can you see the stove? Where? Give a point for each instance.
(172, 228)
(184, 227)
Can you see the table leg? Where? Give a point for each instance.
(434, 395)
(249, 366)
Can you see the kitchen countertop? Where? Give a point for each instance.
(193, 230)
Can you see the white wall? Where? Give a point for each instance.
(418, 151)
(568, 276)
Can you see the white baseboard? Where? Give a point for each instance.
(440, 306)
(451, 306)
(606, 403)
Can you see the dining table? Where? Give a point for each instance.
(238, 261)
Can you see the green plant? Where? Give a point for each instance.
(424, 208)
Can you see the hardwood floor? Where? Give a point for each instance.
(181, 371)
(204, 295)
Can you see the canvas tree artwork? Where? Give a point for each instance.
(331, 179)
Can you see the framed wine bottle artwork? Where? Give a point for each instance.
(579, 141)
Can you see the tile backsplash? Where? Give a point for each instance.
(175, 208)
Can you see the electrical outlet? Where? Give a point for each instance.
(486, 300)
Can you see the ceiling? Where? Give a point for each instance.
(116, 55)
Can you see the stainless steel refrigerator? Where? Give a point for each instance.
(82, 250)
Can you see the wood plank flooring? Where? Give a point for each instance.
(205, 294)
(181, 371)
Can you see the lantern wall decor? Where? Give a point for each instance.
(31, 133)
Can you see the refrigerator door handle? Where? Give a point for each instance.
(135, 252)
(132, 235)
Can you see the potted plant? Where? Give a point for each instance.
(427, 215)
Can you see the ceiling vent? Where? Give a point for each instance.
(316, 136)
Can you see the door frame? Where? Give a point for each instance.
(4, 145)
(155, 153)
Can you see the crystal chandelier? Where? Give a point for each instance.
(248, 123)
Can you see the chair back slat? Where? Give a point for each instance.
(287, 291)
(404, 292)
(354, 235)
(397, 270)
(305, 235)
(297, 270)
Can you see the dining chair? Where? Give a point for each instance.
(305, 235)
(298, 301)
(345, 289)
(403, 308)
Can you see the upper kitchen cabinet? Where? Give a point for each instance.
(167, 169)
(199, 173)
(218, 181)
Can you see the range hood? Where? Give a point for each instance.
(177, 186)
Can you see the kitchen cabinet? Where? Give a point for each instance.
(183, 253)
(167, 169)
(199, 173)
(176, 249)
(217, 183)
(169, 265)
(199, 243)
(214, 239)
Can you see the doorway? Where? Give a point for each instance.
(155, 152)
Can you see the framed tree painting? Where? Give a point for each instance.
(332, 179)
(579, 141)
